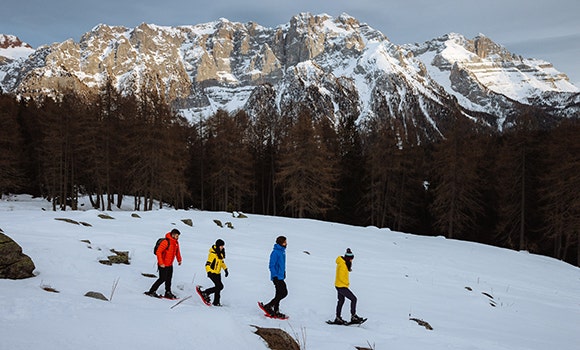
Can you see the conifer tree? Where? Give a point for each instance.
(60, 148)
(457, 199)
(308, 172)
(351, 167)
(147, 144)
(229, 162)
(265, 134)
(11, 146)
(103, 156)
(517, 185)
(560, 197)
(393, 166)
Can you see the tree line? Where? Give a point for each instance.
(517, 189)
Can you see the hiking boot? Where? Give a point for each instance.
(170, 295)
(205, 297)
(152, 294)
(278, 314)
(356, 319)
(269, 310)
(339, 320)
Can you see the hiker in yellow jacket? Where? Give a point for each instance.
(213, 266)
(341, 283)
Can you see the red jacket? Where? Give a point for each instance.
(166, 256)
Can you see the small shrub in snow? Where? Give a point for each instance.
(105, 216)
(70, 221)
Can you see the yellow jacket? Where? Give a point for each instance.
(214, 263)
(342, 274)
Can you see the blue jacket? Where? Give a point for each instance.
(278, 262)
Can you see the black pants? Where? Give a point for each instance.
(216, 278)
(342, 294)
(165, 276)
(281, 293)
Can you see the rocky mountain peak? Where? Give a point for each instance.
(11, 49)
(485, 47)
(12, 41)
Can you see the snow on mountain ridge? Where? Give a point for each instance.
(220, 64)
(7, 41)
(13, 48)
(493, 66)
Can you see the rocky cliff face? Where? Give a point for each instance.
(338, 67)
(11, 41)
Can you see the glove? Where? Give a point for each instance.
(226, 271)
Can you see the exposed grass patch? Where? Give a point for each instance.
(422, 323)
(105, 216)
(70, 221)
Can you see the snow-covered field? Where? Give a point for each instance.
(396, 277)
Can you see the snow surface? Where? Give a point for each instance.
(15, 53)
(395, 276)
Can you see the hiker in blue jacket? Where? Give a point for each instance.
(277, 267)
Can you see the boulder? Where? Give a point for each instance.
(13, 263)
(277, 339)
(96, 295)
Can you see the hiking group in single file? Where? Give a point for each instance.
(167, 251)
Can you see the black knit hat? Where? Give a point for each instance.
(280, 240)
(348, 253)
(220, 243)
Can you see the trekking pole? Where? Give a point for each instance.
(115, 283)
(181, 301)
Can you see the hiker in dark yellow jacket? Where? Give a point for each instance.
(341, 283)
(213, 266)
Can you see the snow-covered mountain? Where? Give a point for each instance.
(474, 296)
(338, 67)
(11, 47)
(485, 77)
(12, 52)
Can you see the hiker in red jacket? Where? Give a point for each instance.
(167, 252)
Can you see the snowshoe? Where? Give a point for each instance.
(353, 321)
(204, 297)
(337, 320)
(268, 312)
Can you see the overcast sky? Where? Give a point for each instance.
(548, 30)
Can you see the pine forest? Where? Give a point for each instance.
(517, 189)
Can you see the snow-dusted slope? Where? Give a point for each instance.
(12, 53)
(474, 296)
(13, 48)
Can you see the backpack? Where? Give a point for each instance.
(158, 243)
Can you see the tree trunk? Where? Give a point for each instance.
(523, 201)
